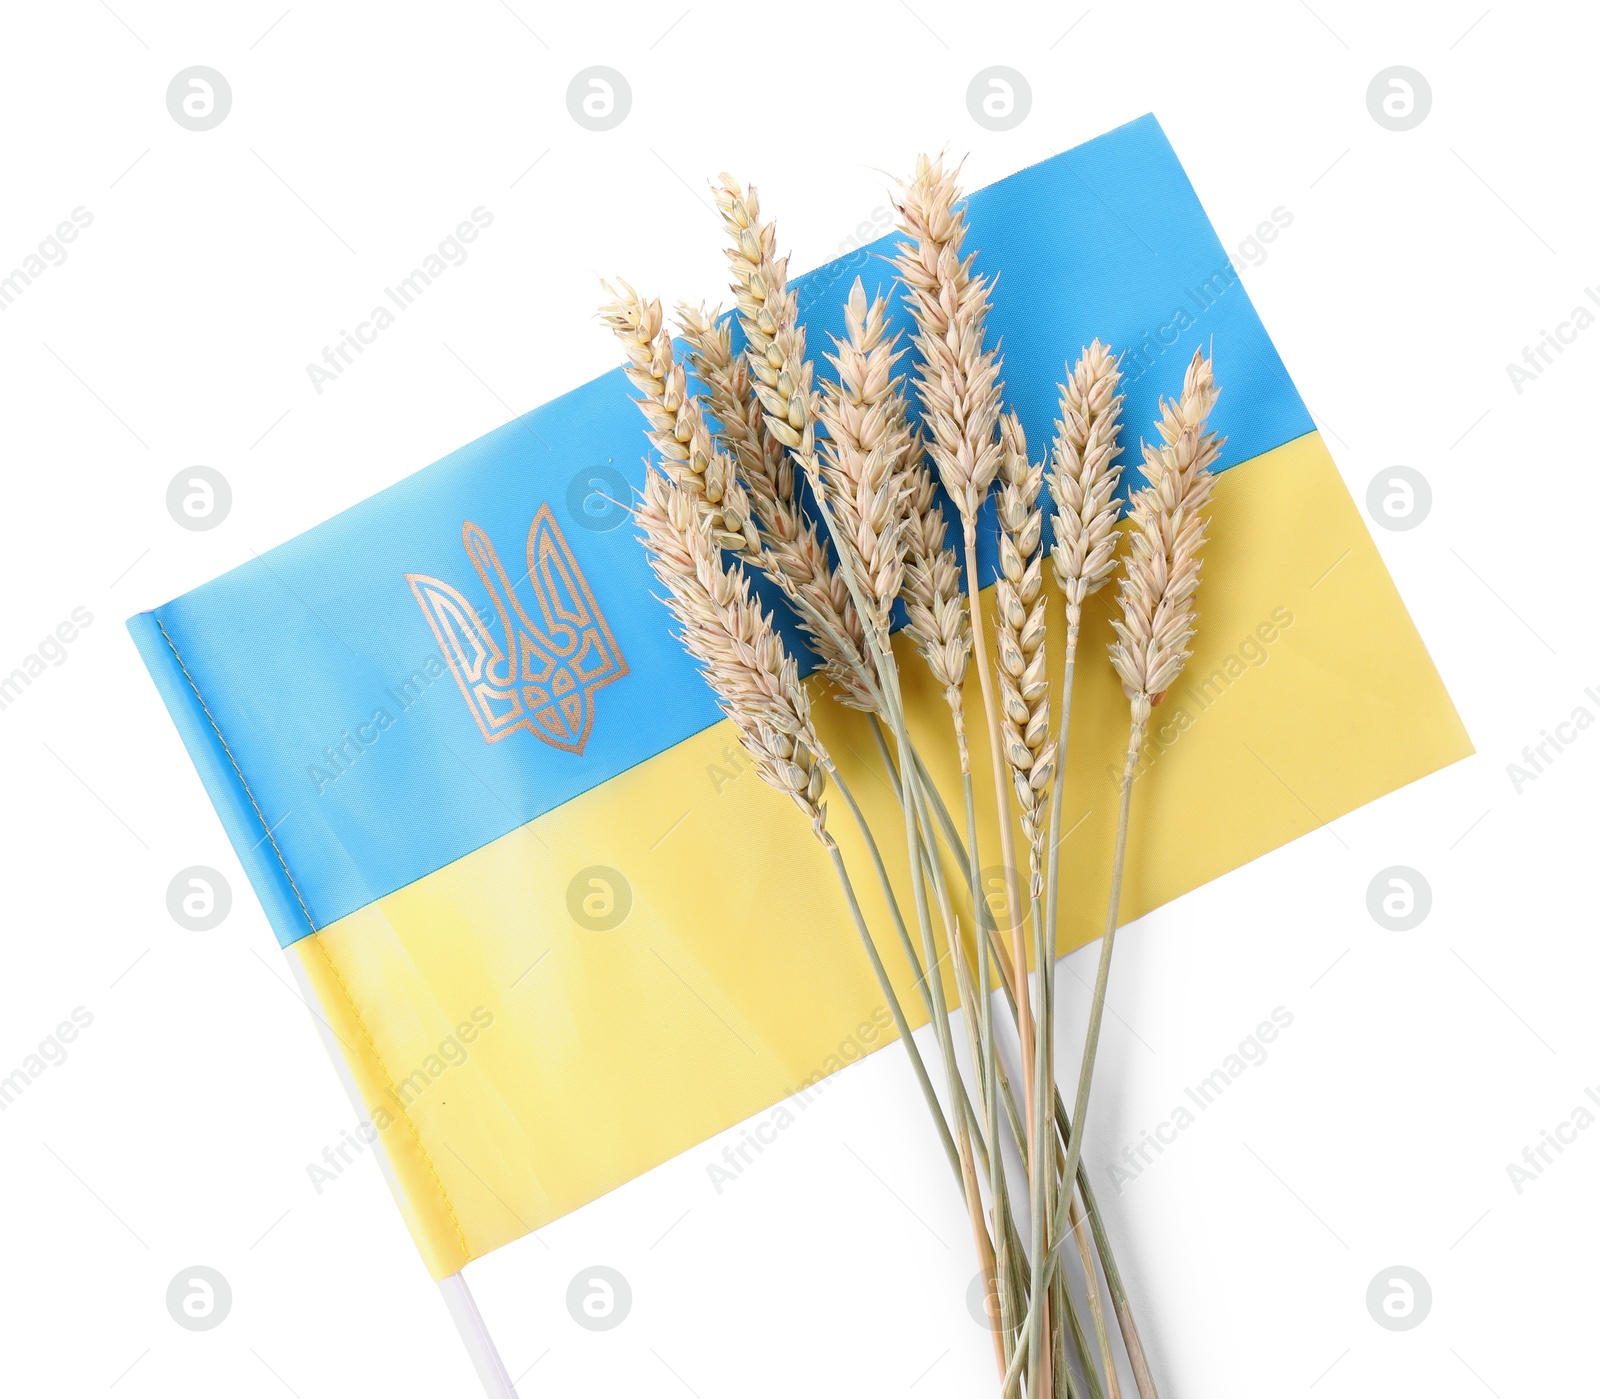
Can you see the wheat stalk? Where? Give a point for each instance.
(958, 385)
(791, 554)
(1160, 578)
(1029, 749)
(1083, 479)
(863, 455)
(677, 428)
(870, 459)
(775, 350)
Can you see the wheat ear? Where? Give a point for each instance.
(1019, 639)
(959, 383)
(782, 378)
(864, 451)
(936, 614)
(791, 554)
(744, 660)
(1169, 526)
(1083, 479)
(677, 427)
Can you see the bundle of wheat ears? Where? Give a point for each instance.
(869, 529)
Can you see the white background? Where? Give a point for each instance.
(177, 332)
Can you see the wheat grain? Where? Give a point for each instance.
(677, 427)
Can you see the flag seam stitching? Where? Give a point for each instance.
(244, 786)
(388, 1081)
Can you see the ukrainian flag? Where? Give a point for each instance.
(557, 929)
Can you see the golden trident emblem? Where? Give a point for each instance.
(545, 676)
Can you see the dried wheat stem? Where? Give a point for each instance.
(1097, 1315)
(1071, 1161)
(1103, 972)
(925, 859)
(1113, 1275)
(967, 998)
(1061, 1299)
(977, 1015)
(1000, 1093)
(992, 1252)
(677, 428)
(895, 1010)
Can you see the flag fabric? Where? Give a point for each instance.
(556, 928)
